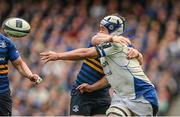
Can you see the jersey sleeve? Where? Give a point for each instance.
(13, 53)
(108, 48)
(90, 44)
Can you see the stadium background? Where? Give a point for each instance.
(63, 25)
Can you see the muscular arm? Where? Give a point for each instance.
(100, 38)
(83, 53)
(21, 66)
(24, 70)
(77, 54)
(100, 84)
(132, 53)
(96, 86)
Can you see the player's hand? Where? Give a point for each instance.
(35, 78)
(84, 88)
(49, 56)
(132, 53)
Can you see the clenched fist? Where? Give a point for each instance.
(35, 78)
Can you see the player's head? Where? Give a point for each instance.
(113, 24)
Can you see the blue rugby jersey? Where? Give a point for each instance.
(8, 52)
(90, 72)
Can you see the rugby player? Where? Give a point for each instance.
(8, 52)
(97, 102)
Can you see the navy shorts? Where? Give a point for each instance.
(89, 104)
(5, 104)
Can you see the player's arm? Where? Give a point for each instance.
(107, 48)
(82, 53)
(24, 70)
(20, 65)
(133, 53)
(77, 54)
(101, 37)
(96, 86)
(140, 58)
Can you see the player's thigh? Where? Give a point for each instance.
(101, 105)
(118, 111)
(100, 111)
(79, 105)
(5, 105)
(140, 108)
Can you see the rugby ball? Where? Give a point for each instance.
(16, 27)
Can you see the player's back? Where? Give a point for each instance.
(90, 72)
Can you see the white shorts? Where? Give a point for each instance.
(140, 106)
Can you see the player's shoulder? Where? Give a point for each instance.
(5, 39)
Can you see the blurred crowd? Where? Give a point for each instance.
(63, 25)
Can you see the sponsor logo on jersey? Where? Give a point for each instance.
(2, 59)
(2, 44)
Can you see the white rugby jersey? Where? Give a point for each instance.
(125, 76)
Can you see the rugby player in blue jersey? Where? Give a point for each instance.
(8, 52)
(96, 102)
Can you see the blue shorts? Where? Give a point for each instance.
(5, 104)
(89, 104)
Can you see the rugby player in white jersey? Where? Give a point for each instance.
(134, 94)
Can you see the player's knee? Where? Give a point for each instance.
(116, 111)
